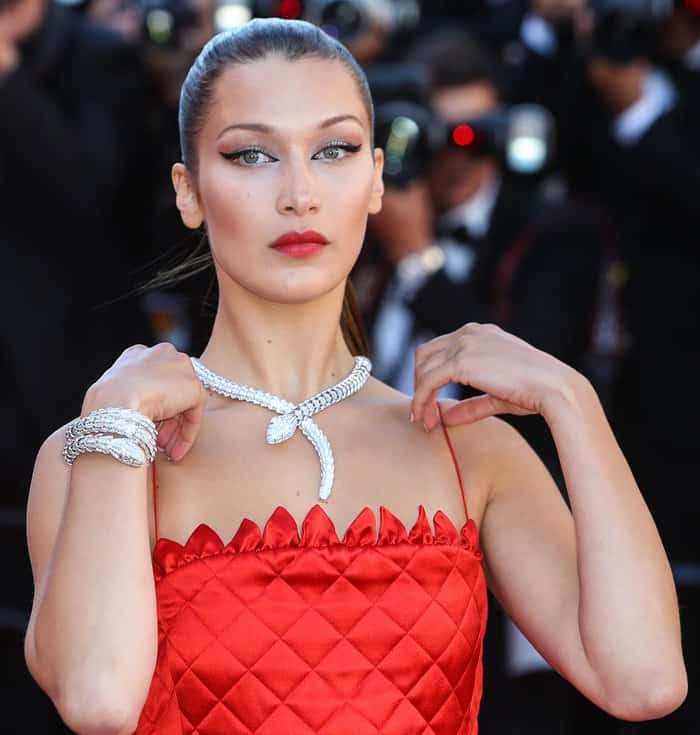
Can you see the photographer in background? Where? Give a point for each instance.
(514, 249)
(627, 96)
(653, 158)
(73, 205)
(472, 240)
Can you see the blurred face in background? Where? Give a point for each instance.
(20, 18)
(456, 174)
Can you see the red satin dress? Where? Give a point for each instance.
(274, 633)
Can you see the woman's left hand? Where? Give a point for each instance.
(515, 377)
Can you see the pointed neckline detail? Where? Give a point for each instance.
(317, 530)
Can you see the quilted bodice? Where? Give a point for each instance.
(276, 632)
(282, 633)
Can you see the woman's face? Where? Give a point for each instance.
(285, 147)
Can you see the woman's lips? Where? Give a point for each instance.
(300, 249)
(300, 244)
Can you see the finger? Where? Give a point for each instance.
(431, 409)
(166, 429)
(472, 409)
(428, 349)
(430, 363)
(172, 441)
(189, 428)
(430, 380)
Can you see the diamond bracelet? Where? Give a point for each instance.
(121, 421)
(135, 443)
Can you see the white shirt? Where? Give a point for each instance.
(658, 97)
(475, 213)
(394, 344)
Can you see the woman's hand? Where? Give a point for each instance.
(161, 383)
(515, 377)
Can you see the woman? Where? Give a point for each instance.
(305, 631)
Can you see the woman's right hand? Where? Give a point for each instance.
(159, 382)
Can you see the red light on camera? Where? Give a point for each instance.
(289, 9)
(693, 6)
(463, 135)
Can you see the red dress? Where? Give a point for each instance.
(277, 634)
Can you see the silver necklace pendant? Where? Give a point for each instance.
(294, 416)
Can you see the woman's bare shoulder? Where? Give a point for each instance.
(487, 434)
(480, 449)
(485, 445)
(482, 441)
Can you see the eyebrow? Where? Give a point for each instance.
(261, 128)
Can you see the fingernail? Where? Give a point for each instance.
(169, 458)
(411, 418)
(425, 427)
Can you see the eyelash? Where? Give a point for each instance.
(256, 149)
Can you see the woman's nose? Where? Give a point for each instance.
(299, 193)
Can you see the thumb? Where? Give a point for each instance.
(187, 429)
(476, 408)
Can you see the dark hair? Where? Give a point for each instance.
(455, 57)
(292, 40)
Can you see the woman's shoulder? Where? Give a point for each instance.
(485, 438)
(481, 448)
(487, 443)
(498, 451)
(488, 433)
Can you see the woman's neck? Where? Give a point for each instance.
(289, 350)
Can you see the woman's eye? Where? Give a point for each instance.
(337, 150)
(251, 157)
(248, 157)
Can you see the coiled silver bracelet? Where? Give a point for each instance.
(134, 443)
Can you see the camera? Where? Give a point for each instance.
(164, 20)
(348, 19)
(411, 134)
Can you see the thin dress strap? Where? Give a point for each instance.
(454, 459)
(155, 497)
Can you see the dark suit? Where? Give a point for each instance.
(74, 182)
(75, 195)
(536, 274)
(652, 190)
(556, 251)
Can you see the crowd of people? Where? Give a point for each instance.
(543, 174)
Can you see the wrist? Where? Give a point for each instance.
(572, 393)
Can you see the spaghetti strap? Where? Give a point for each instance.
(155, 498)
(454, 459)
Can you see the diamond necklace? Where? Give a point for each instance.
(293, 415)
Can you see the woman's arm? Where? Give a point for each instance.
(593, 592)
(92, 638)
(92, 641)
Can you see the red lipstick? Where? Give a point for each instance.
(300, 244)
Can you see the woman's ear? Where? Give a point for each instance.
(375, 202)
(186, 197)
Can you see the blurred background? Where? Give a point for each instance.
(542, 172)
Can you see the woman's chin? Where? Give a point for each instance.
(300, 291)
